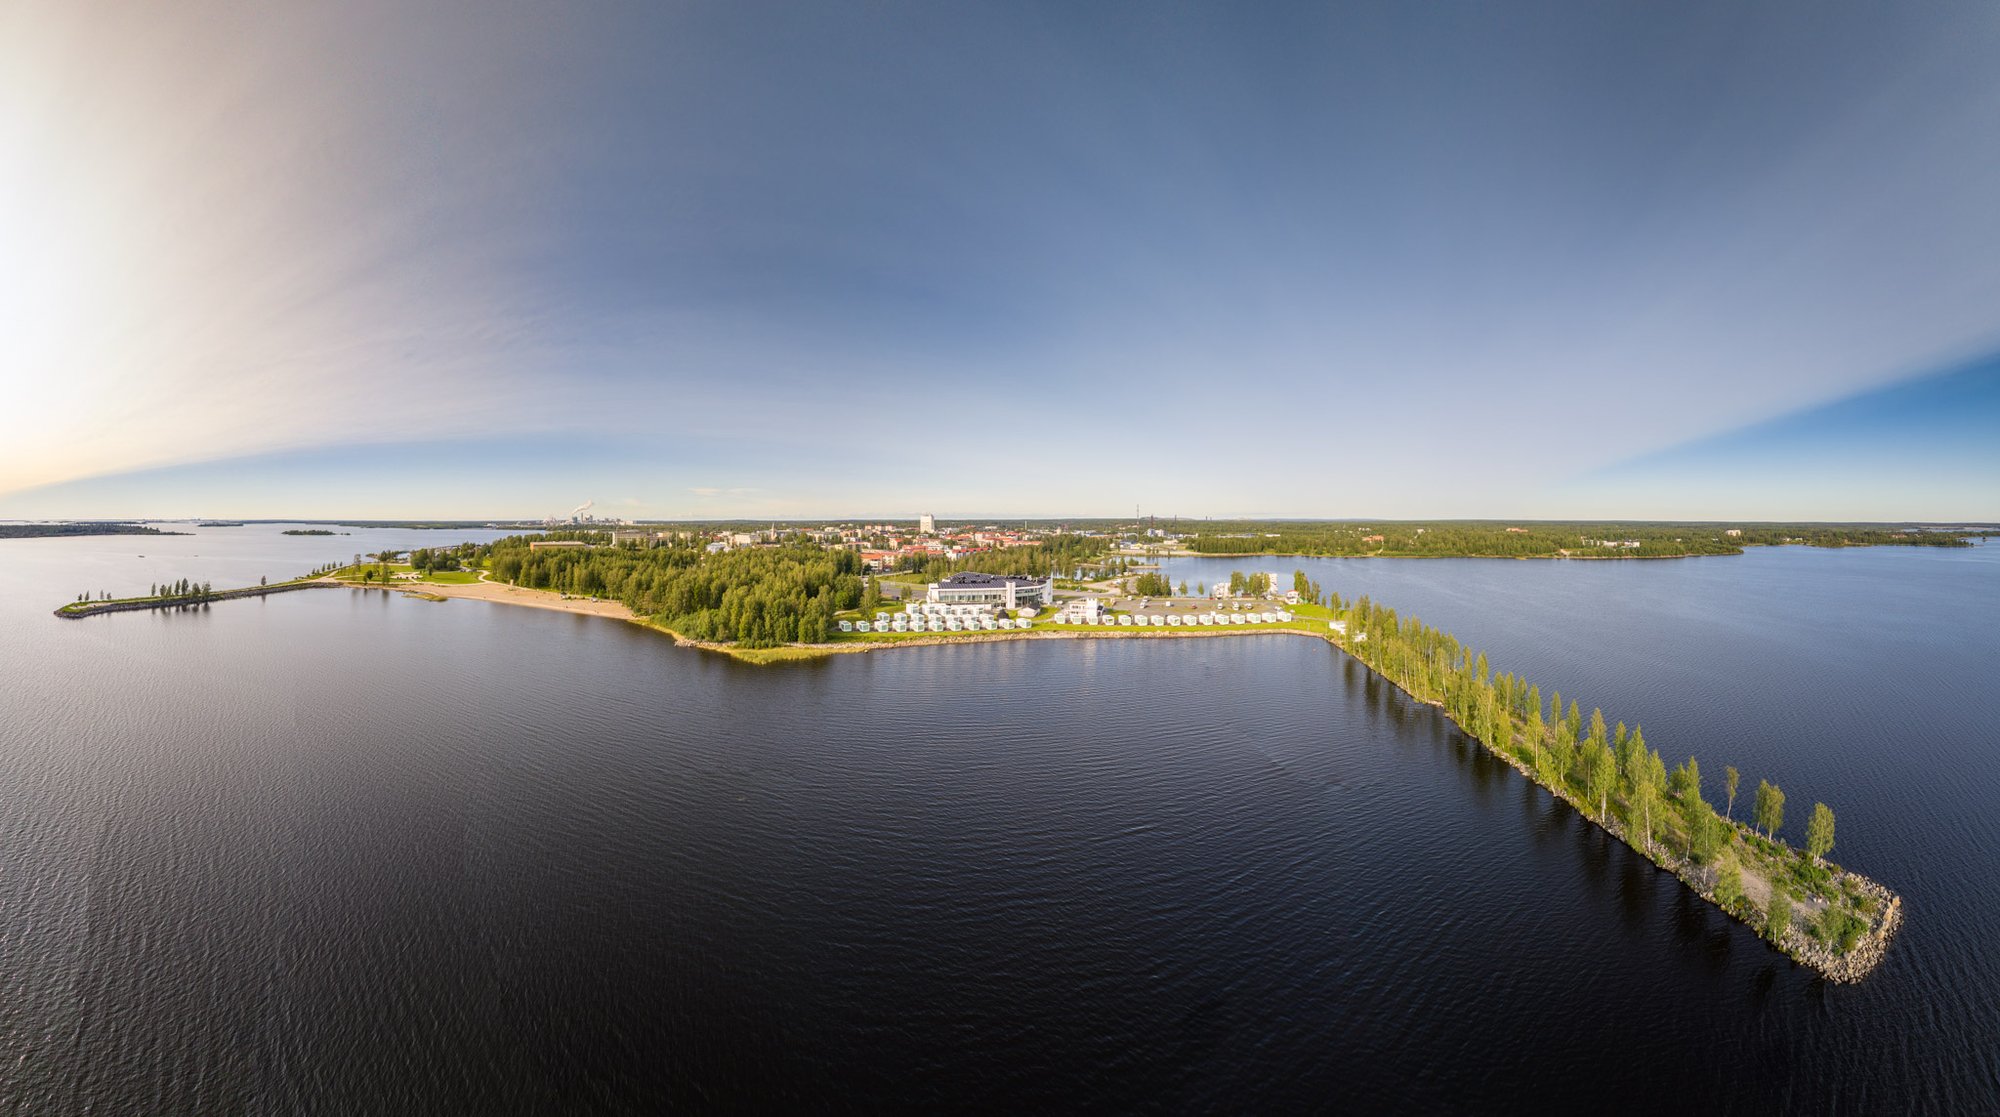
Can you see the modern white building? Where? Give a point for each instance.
(1008, 591)
(926, 524)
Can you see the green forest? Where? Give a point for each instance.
(1617, 778)
(758, 598)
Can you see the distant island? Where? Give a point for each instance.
(220, 523)
(42, 531)
(1533, 539)
(311, 531)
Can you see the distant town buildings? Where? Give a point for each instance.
(926, 524)
(644, 538)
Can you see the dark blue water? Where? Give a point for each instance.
(336, 852)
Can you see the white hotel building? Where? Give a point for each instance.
(1008, 591)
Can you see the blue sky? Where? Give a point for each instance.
(772, 260)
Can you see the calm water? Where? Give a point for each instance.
(336, 852)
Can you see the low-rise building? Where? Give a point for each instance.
(1080, 610)
(1008, 591)
(641, 538)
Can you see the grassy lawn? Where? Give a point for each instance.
(440, 577)
(452, 577)
(904, 579)
(84, 606)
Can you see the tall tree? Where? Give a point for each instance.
(1729, 884)
(1770, 808)
(1729, 778)
(1600, 775)
(1819, 831)
(1652, 777)
(1778, 913)
(1706, 832)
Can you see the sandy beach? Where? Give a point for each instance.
(515, 595)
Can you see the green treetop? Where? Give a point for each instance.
(1819, 831)
(1600, 775)
(1778, 913)
(1770, 808)
(1729, 884)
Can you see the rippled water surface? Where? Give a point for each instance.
(336, 852)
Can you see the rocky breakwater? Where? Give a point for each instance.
(1837, 967)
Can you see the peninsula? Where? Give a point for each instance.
(801, 600)
(748, 602)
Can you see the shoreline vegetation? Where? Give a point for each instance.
(778, 604)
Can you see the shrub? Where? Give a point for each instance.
(1729, 886)
(1778, 913)
(1837, 926)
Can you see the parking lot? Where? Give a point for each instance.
(1182, 606)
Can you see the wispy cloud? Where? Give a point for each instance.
(1922, 449)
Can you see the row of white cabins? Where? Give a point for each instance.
(936, 617)
(1175, 620)
(930, 616)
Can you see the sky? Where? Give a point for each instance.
(455, 260)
